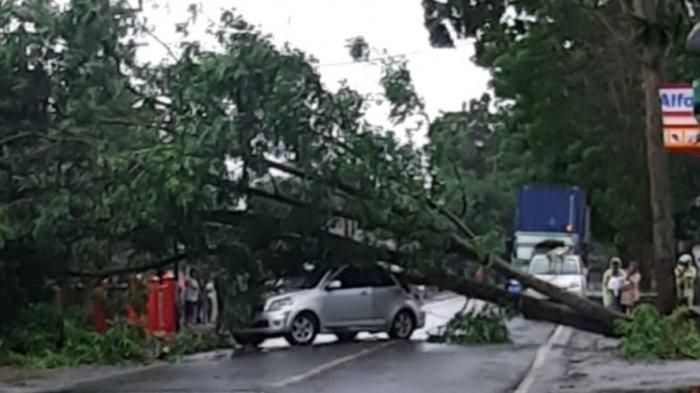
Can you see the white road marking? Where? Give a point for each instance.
(540, 358)
(327, 366)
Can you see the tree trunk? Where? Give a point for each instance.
(583, 306)
(591, 310)
(642, 252)
(531, 308)
(659, 184)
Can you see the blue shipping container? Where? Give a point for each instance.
(544, 208)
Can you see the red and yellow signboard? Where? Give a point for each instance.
(681, 129)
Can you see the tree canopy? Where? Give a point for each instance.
(567, 76)
(236, 157)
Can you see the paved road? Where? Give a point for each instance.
(374, 364)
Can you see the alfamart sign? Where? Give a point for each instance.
(681, 130)
(677, 99)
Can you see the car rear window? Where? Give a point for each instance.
(542, 264)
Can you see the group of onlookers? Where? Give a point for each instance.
(621, 286)
(200, 300)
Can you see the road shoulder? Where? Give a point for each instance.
(543, 359)
(25, 380)
(589, 363)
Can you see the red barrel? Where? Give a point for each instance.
(99, 314)
(168, 311)
(153, 304)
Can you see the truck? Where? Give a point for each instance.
(548, 217)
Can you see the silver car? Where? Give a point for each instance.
(342, 301)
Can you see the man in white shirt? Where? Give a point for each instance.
(212, 303)
(191, 298)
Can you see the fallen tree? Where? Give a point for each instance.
(565, 307)
(531, 308)
(583, 306)
(165, 166)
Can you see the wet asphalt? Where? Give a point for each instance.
(374, 364)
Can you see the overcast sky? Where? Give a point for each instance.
(445, 78)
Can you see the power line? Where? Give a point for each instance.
(372, 59)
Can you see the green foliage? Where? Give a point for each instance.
(398, 89)
(485, 326)
(192, 340)
(105, 162)
(43, 338)
(652, 336)
(38, 328)
(476, 171)
(569, 110)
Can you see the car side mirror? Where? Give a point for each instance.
(335, 284)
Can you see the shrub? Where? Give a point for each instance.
(482, 327)
(192, 340)
(42, 338)
(39, 327)
(124, 343)
(651, 336)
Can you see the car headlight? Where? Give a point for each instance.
(280, 304)
(574, 285)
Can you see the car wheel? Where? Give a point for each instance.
(346, 336)
(304, 329)
(403, 325)
(252, 340)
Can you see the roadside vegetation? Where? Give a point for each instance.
(484, 326)
(44, 338)
(649, 335)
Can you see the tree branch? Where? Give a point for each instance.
(532, 308)
(462, 227)
(582, 305)
(23, 135)
(464, 196)
(355, 192)
(33, 134)
(256, 192)
(305, 176)
(127, 270)
(161, 42)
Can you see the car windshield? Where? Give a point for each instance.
(305, 280)
(554, 265)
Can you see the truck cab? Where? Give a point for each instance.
(528, 244)
(550, 216)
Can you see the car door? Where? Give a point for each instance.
(351, 303)
(386, 294)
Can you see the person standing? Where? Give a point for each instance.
(686, 274)
(612, 283)
(630, 287)
(202, 308)
(212, 301)
(696, 258)
(191, 298)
